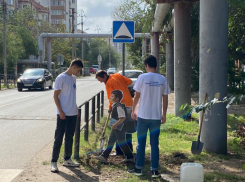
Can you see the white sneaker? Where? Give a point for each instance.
(70, 163)
(101, 158)
(54, 167)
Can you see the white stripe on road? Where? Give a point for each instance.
(7, 175)
(21, 100)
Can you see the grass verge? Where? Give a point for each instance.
(174, 143)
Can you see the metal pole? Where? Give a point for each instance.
(86, 119)
(49, 54)
(82, 32)
(170, 61)
(77, 135)
(123, 59)
(102, 103)
(109, 54)
(72, 31)
(4, 43)
(155, 48)
(98, 108)
(37, 37)
(93, 114)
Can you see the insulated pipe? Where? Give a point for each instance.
(160, 14)
(76, 35)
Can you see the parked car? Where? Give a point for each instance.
(133, 75)
(91, 70)
(111, 71)
(96, 67)
(35, 78)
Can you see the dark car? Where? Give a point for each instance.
(35, 78)
(92, 70)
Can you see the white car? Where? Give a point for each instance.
(133, 75)
(111, 71)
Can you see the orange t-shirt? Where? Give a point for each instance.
(119, 82)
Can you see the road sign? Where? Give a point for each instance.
(60, 59)
(123, 31)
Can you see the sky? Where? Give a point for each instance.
(97, 14)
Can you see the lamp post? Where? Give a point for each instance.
(4, 42)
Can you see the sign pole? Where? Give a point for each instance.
(123, 60)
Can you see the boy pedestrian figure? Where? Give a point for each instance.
(67, 111)
(152, 89)
(119, 129)
(117, 82)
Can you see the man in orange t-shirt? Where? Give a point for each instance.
(117, 82)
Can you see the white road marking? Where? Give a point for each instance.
(7, 175)
(21, 100)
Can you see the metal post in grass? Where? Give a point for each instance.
(86, 119)
(102, 103)
(93, 114)
(98, 108)
(77, 135)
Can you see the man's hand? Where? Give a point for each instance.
(163, 119)
(62, 115)
(133, 115)
(114, 126)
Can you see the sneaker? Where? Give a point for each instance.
(128, 160)
(135, 171)
(115, 154)
(101, 158)
(70, 163)
(54, 167)
(155, 174)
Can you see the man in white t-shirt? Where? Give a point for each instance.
(67, 111)
(152, 89)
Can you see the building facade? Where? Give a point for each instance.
(53, 11)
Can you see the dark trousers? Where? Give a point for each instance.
(129, 142)
(120, 138)
(64, 127)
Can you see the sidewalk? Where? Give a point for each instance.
(38, 169)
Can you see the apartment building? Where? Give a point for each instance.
(61, 11)
(53, 11)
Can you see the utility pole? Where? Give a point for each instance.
(109, 54)
(4, 42)
(37, 36)
(82, 32)
(72, 31)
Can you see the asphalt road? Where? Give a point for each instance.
(28, 120)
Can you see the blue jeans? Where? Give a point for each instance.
(142, 127)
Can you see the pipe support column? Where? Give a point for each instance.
(182, 55)
(155, 48)
(49, 40)
(213, 72)
(170, 61)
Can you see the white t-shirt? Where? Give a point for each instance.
(151, 87)
(67, 96)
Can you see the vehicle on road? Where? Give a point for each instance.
(35, 78)
(96, 67)
(111, 71)
(92, 70)
(133, 75)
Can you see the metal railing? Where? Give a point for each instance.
(96, 109)
(11, 80)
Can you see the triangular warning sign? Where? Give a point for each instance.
(123, 33)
